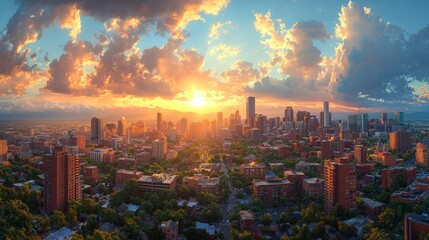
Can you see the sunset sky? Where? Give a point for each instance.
(208, 55)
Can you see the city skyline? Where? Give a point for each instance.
(203, 57)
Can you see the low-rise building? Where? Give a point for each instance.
(414, 225)
(253, 171)
(157, 182)
(313, 187)
(271, 190)
(372, 207)
(247, 221)
(91, 173)
(170, 229)
(296, 179)
(122, 176)
(388, 175)
(201, 183)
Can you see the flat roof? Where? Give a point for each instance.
(272, 182)
(62, 233)
(158, 178)
(313, 180)
(372, 203)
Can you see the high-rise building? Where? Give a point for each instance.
(340, 184)
(422, 154)
(159, 148)
(302, 116)
(352, 123)
(97, 129)
(400, 140)
(384, 120)
(360, 154)
(322, 118)
(250, 111)
(237, 117)
(122, 127)
(365, 122)
(288, 114)
(399, 117)
(219, 120)
(3, 150)
(415, 225)
(159, 122)
(358, 122)
(260, 122)
(62, 179)
(326, 114)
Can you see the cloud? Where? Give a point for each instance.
(372, 60)
(375, 63)
(223, 50)
(217, 29)
(127, 21)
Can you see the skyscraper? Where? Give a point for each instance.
(219, 120)
(352, 123)
(400, 140)
(122, 127)
(250, 111)
(322, 118)
(340, 184)
(384, 120)
(62, 179)
(399, 117)
(422, 154)
(97, 128)
(288, 114)
(326, 114)
(159, 122)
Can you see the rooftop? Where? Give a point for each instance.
(278, 181)
(210, 229)
(246, 215)
(371, 203)
(158, 178)
(313, 180)
(62, 233)
(424, 218)
(289, 172)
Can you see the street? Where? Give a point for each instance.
(227, 208)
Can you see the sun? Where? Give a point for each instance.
(198, 100)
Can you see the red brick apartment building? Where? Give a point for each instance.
(62, 179)
(339, 184)
(253, 171)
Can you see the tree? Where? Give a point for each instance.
(206, 198)
(44, 223)
(243, 236)
(347, 231)
(303, 232)
(212, 213)
(378, 234)
(131, 228)
(282, 218)
(183, 191)
(58, 219)
(386, 219)
(15, 219)
(423, 236)
(91, 223)
(108, 215)
(101, 235)
(266, 219)
(71, 217)
(310, 214)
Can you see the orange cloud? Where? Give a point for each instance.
(222, 50)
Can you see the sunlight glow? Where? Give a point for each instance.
(198, 100)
